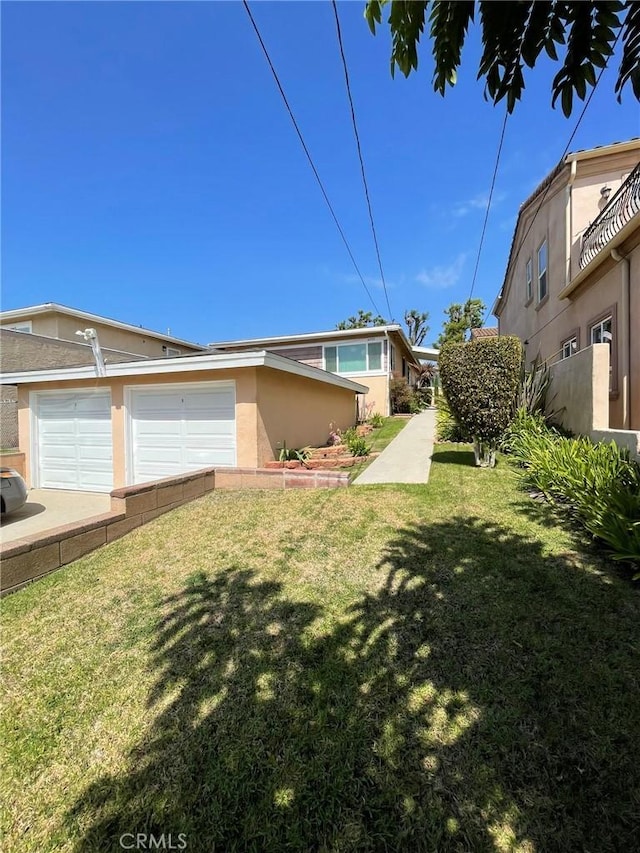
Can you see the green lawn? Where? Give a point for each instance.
(412, 668)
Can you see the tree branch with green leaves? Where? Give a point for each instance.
(513, 36)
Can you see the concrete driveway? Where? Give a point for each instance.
(49, 508)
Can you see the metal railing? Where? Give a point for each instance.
(622, 207)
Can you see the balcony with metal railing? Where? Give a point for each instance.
(619, 211)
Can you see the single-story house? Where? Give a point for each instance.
(156, 418)
(373, 355)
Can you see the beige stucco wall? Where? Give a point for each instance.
(298, 411)
(563, 218)
(246, 417)
(579, 390)
(63, 326)
(378, 383)
(271, 406)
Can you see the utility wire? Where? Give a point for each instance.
(306, 151)
(360, 158)
(516, 252)
(566, 148)
(486, 215)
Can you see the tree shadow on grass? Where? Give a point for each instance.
(485, 697)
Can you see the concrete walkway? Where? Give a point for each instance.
(408, 458)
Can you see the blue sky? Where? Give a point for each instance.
(151, 173)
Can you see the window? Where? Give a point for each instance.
(528, 275)
(393, 357)
(25, 326)
(569, 347)
(542, 271)
(353, 358)
(602, 330)
(171, 352)
(404, 367)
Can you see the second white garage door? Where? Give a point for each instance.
(175, 429)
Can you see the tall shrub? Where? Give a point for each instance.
(481, 380)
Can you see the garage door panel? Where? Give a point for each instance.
(207, 458)
(173, 432)
(74, 443)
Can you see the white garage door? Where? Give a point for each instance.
(72, 441)
(180, 428)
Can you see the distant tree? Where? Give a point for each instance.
(416, 324)
(462, 318)
(514, 35)
(361, 321)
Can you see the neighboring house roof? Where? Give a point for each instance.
(308, 337)
(563, 166)
(484, 332)
(426, 353)
(49, 307)
(186, 364)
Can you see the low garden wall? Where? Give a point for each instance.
(29, 558)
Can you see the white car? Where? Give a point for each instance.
(13, 491)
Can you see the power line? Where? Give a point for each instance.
(548, 187)
(566, 148)
(486, 215)
(306, 151)
(360, 158)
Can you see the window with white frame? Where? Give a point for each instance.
(171, 352)
(569, 347)
(528, 275)
(25, 326)
(354, 358)
(602, 333)
(542, 271)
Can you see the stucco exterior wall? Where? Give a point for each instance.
(144, 343)
(63, 326)
(579, 390)
(246, 416)
(298, 411)
(563, 217)
(271, 406)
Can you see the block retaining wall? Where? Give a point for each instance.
(29, 558)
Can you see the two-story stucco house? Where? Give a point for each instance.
(573, 274)
(62, 323)
(372, 356)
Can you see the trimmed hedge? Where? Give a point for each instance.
(481, 380)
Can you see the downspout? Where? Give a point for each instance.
(569, 222)
(624, 334)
